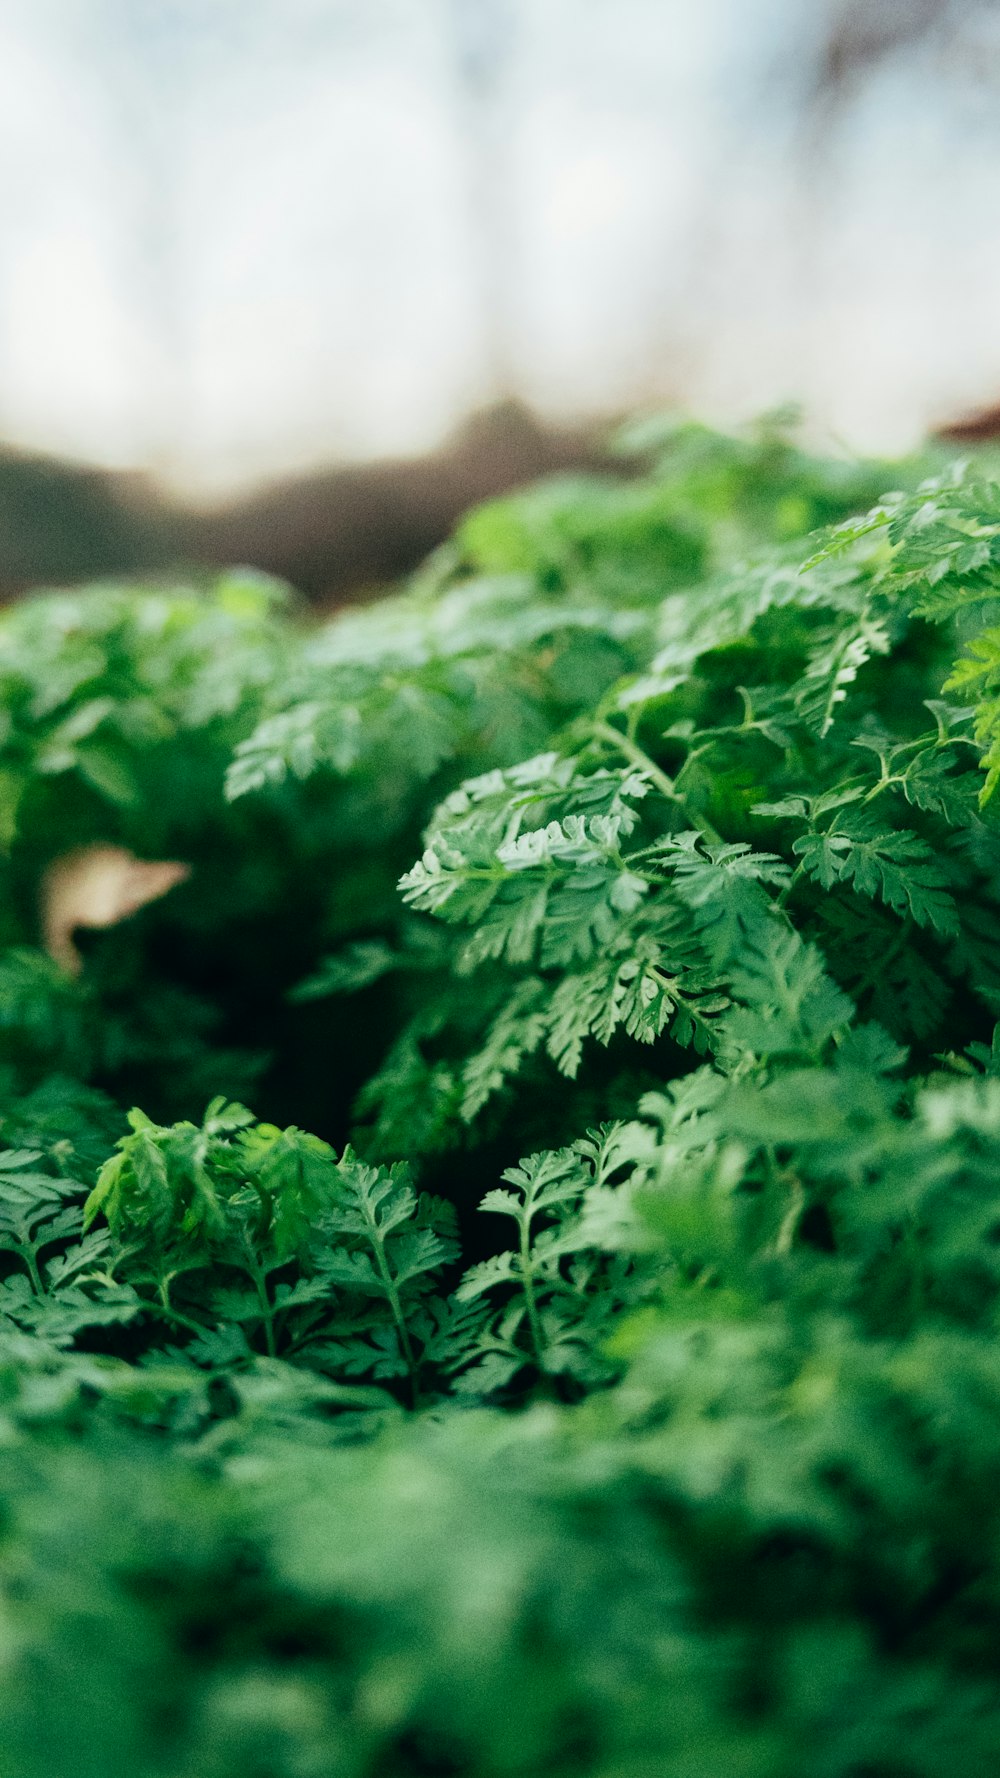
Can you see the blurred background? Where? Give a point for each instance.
(293, 281)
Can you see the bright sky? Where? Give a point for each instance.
(239, 237)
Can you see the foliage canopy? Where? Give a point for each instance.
(608, 1386)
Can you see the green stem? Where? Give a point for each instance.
(392, 1294)
(27, 1253)
(665, 784)
(528, 1281)
(638, 756)
(793, 880)
(790, 1221)
(268, 1314)
(165, 1313)
(259, 1277)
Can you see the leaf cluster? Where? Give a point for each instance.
(586, 1361)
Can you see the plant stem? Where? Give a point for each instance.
(796, 877)
(392, 1294)
(259, 1276)
(638, 756)
(268, 1313)
(528, 1281)
(790, 1221)
(165, 1313)
(27, 1253)
(665, 784)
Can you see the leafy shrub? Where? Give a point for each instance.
(607, 1387)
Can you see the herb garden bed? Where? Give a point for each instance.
(589, 1366)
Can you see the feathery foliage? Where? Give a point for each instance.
(583, 1359)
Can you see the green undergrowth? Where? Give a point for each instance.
(583, 1359)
